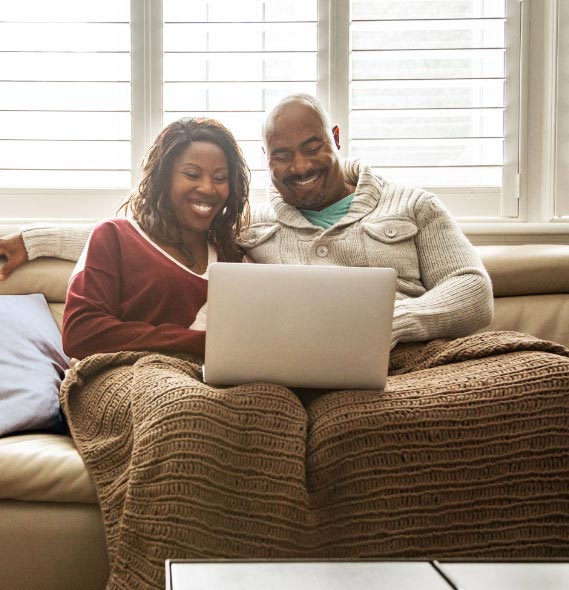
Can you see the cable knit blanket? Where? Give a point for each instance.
(464, 455)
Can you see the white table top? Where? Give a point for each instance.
(298, 575)
(508, 576)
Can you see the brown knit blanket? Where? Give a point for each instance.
(464, 455)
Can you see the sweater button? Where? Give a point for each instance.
(322, 251)
(390, 232)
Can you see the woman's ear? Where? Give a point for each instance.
(336, 135)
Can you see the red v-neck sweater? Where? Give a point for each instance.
(128, 294)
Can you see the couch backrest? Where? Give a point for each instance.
(529, 269)
(48, 276)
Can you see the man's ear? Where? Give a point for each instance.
(336, 135)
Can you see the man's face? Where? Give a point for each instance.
(303, 158)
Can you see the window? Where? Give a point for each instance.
(430, 96)
(452, 96)
(64, 98)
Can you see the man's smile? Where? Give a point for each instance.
(306, 181)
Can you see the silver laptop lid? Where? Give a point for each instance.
(300, 326)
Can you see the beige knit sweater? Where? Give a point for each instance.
(442, 287)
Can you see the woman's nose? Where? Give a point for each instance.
(207, 186)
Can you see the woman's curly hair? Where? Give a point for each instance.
(150, 202)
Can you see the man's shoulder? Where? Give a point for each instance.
(403, 199)
(381, 192)
(263, 223)
(262, 213)
(406, 191)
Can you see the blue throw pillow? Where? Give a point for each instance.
(32, 365)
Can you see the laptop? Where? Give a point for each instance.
(298, 325)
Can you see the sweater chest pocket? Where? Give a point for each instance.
(390, 242)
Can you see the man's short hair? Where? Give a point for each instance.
(301, 97)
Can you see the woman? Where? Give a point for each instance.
(141, 283)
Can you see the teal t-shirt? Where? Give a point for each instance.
(330, 215)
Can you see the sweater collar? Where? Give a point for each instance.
(367, 194)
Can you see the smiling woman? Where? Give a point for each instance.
(141, 283)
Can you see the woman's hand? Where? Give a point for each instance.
(13, 248)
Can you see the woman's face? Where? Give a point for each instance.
(199, 185)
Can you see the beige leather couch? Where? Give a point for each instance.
(51, 534)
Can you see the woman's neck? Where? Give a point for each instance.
(193, 241)
(193, 253)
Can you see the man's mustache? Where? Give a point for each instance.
(297, 177)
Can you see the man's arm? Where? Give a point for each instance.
(459, 299)
(34, 241)
(60, 241)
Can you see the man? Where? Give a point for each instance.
(325, 211)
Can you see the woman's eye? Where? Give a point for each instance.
(221, 179)
(192, 176)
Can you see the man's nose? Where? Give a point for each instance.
(300, 164)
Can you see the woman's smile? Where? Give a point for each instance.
(200, 207)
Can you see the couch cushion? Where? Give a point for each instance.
(44, 468)
(542, 316)
(32, 365)
(530, 269)
(57, 313)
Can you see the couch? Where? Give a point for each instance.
(51, 533)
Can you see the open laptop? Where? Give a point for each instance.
(299, 326)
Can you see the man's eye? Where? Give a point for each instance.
(314, 149)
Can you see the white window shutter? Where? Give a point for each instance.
(64, 95)
(430, 102)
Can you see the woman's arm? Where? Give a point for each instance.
(91, 321)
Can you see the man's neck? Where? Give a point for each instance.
(348, 190)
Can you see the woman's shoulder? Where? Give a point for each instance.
(114, 225)
(118, 223)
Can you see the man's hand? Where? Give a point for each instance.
(13, 248)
